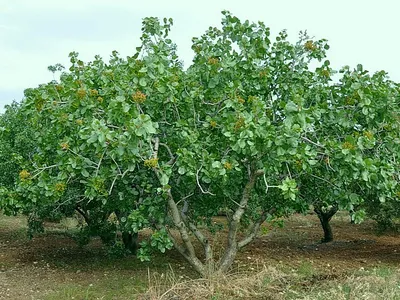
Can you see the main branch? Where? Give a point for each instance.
(233, 246)
(187, 249)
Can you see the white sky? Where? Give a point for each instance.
(37, 33)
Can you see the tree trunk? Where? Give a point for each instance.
(186, 249)
(326, 226)
(324, 218)
(352, 221)
(130, 240)
(232, 247)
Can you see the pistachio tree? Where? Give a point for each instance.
(373, 105)
(246, 129)
(17, 147)
(357, 135)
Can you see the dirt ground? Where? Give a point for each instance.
(34, 269)
(354, 246)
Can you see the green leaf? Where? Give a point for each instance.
(216, 164)
(364, 175)
(291, 107)
(206, 179)
(213, 83)
(161, 69)
(126, 107)
(242, 143)
(280, 151)
(120, 98)
(92, 139)
(120, 150)
(148, 126)
(161, 89)
(164, 179)
(142, 82)
(101, 137)
(85, 173)
(312, 162)
(140, 131)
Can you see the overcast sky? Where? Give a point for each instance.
(37, 33)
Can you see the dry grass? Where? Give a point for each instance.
(273, 283)
(264, 284)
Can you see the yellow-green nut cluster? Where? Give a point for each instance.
(139, 97)
(240, 100)
(227, 165)
(309, 45)
(151, 162)
(39, 103)
(298, 164)
(252, 99)
(348, 145)
(213, 61)
(325, 73)
(368, 134)
(350, 101)
(81, 93)
(24, 175)
(196, 49)
(60, 187)
(98, 185)
(239, 123)
(64, 146)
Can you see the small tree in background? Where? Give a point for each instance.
(17, 148)
(357, 135)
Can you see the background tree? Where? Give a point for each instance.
(17, 148)
(357, 126)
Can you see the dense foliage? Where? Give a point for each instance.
(248, 129)
(17, 148)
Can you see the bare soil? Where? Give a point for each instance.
(34, 269)
(355, 245)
